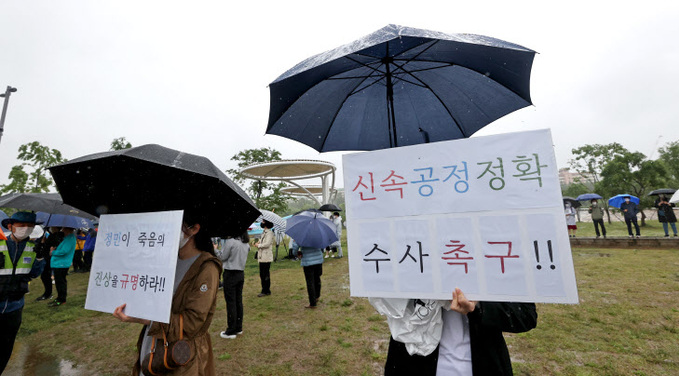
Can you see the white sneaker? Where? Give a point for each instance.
(326, 256)
(227, 336)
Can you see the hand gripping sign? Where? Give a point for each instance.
(134, 262)
(484, 214)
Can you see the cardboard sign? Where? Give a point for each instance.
(483, 214)
(134, 262)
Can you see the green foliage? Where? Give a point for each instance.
(37, 158)
(632, 173)
(669, 156)
(574, 190)
(120, 143)
(589, 160)
(266, 195)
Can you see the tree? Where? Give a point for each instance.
(120, 143)
(38, 158)
(266, 195)
(669, 155)
(590, 160)
(632, 173)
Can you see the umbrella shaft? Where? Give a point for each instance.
(390, 108)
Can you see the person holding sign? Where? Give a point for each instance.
(19, 263)
(265, 257)
(193, 304)
(471, 340)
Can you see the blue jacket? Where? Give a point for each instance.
(311, 256)
(62, 257)
(632, 209)
(90, 240)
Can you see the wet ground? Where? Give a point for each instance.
(27, 361)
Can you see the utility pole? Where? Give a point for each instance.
(6, 95)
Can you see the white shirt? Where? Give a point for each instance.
(455, 351)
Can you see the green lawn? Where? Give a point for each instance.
(627, 323)
(652, 228)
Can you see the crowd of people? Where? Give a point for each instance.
(630, 211)
(23, 258)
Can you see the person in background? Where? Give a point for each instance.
(570, 219)
(62, 257)
(88, 248)
(78, 263)
(265, 257)
(51, 239)
(193, 303)
(19, 263)
(597, 213)
(666, 214)
(337, 246)
(630, 210)
(312, 263)
(234, 255)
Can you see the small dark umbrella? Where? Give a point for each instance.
(46, 202)
(400, 86)
(574, 203)
(154, 178)
(662, 191)
(330, 207)
(588, 197)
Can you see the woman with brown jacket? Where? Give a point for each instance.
(194, 299)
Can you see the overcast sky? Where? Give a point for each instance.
(193, 75)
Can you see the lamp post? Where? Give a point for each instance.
(6, 95)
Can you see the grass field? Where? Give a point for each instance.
(627, 323)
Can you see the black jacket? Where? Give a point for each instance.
(489, 350)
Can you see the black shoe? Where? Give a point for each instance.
(262, 294)
(55, 303)
(43, 297)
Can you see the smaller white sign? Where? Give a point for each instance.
(134, 262)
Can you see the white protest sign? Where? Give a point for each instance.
(134, 263)
(484, 214)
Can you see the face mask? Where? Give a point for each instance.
(22, 233)
(594, 204)
(184, 239)
(626, 200)
(568, 205)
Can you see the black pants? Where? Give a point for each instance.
(60, 283)
(46, 278)
(233, 294)
(10, 323)
(78, 263)
(597, 223)
(87, 259)
(629, 222)
(265, 277)
(312, 274)
(399, 362)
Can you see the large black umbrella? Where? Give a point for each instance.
(154, 178)
(400, 86)
(662, 191)
(45, 202)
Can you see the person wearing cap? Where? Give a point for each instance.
(19, 263)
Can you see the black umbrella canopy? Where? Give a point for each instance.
(330, 207)
(45, 202)
(155, 178)
(662, 191)
(400, 86)
(574, 202)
